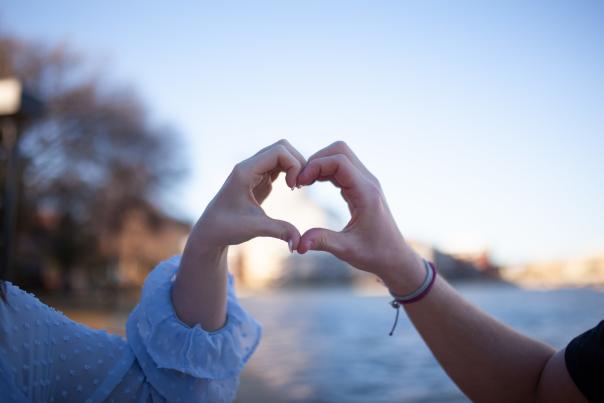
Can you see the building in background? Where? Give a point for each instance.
(144, 237)
(139, 237)
(262, 262)
(466, 266)
(583, 271)
(265, 262)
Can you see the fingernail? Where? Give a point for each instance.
(298, 186)
(292, 188)
(290, 244)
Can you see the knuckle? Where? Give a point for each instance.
(373, 192)
(238, 167)
(321, 241)
(283, 142)
(373, 180)
(341, 145)
(284, 235)
(342, 159)
(280, 148)
(239, 170)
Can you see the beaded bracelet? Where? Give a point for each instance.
(416, 295)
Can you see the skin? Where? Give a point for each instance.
(234, 216)
(489, 361)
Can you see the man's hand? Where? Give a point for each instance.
(371, 241)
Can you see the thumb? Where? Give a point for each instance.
(279, 229)
(324, 240)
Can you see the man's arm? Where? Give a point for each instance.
(488, 360)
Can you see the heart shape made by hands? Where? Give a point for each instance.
(300, 209)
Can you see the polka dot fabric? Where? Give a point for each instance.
(46, 357)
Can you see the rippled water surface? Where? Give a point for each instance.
(332, 345)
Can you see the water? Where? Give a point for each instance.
(332, 345)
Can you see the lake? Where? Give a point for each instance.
(332, 345)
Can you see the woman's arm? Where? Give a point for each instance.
(488, 360)
(234, 216)
(44, 356)
(199, 292)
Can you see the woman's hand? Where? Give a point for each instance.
(232, 217)
(371, 240)
(235, 216)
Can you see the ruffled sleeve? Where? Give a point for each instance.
(176, 357)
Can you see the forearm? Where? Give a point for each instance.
(488, 360)
(234, 216)
(199, 293)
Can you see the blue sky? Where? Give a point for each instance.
(483, 120)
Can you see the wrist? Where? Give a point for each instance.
(406, 274)
(206, 238)
(200, 254)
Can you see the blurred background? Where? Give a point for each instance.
(483, 121)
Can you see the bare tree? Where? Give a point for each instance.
(94, 150)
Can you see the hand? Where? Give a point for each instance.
(235, 216)
(371, 241)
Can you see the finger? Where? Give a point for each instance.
(324, 240)
(266, 226)
(330, 179)
(338, 167)
(290, 148)
(277, 157)
(340, 147)
(293, 151)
